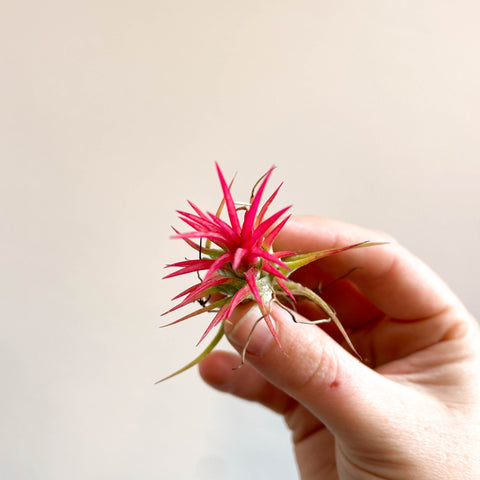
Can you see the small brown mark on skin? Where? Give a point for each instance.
(334, 384)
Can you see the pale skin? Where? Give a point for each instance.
(409, 410)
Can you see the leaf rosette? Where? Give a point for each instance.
(239, 263)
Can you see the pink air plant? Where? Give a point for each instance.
(240, 264)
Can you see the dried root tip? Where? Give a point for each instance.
(254, 188)
(286, 299)
(313, 322)
(303, 322)
(204, 301)
(242, 206)
(321, 289)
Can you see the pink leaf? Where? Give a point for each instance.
(232, 211)
(249, 220)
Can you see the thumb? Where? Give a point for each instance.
(348, 397)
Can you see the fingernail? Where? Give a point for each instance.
(241, 332)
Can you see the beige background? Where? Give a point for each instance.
(112, 114)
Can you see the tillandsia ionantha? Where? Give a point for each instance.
(241, 264)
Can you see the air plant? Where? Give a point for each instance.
(240, 264)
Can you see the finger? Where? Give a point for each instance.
(219, 370)
(394, 280)
(310, 366)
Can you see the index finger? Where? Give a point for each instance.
(393, 279)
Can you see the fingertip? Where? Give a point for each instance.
(217, 368)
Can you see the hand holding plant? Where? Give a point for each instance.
(385, 381)
(411, 412)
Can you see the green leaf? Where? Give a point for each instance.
(295, 262)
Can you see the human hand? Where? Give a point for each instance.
(411, 411)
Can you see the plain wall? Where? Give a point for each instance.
(112, 114)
